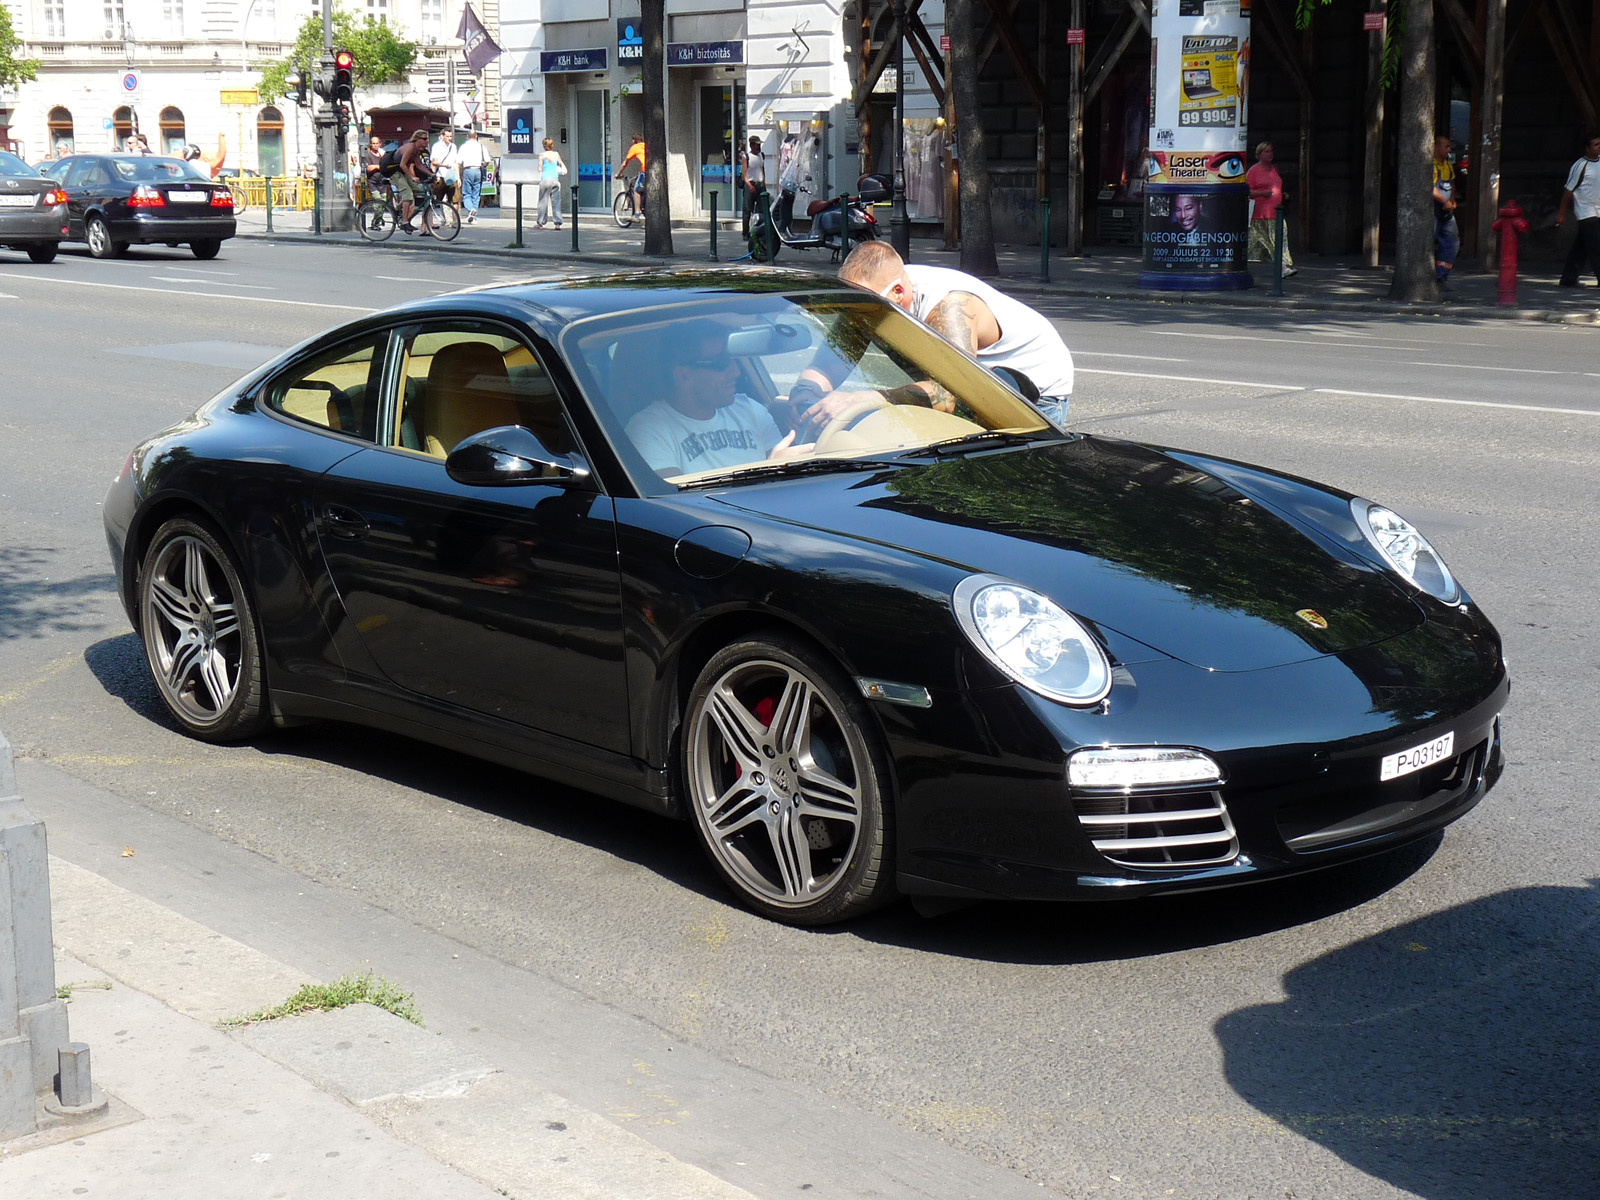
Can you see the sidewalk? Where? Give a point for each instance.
(353, 1102)
(1322, 284)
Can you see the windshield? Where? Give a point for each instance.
(717, 389)
(10, 164)
(155, 170)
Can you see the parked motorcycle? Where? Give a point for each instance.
(772, 226)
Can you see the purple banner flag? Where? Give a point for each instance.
(481, 48)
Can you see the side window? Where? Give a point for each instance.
(58, 170)
(337, 390)
(463, 378)
(87, 172)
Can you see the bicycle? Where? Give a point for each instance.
(379, 217)
(241, 199)
(623, 210)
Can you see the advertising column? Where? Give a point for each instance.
(1197, 204)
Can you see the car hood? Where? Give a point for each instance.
(1129, 537)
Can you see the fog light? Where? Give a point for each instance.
(1140, 766)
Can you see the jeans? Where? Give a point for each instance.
(549, 200)
(471, 188)
(1447, 240)
(1585, 245)
(1054, 410)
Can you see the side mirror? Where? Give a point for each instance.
(1017, 382)
(509, 455)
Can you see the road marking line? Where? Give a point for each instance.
(1266, 387)
(125, 287)
(1470, 367)
(414, 279)
(1575, 412)
(1140, 357)
(254, 287)
(1285, 341)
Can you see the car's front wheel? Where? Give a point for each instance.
(206, 247)
(788, 783)
(100, 243)
(200, 634)
(43, 253)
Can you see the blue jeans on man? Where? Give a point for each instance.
(471, 190)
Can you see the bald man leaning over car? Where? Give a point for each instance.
(991, 326)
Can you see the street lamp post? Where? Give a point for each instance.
(899, 221)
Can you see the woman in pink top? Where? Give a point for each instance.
(1266, 193)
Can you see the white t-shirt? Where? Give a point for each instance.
(1028, 342)
(471, 153)
(742, 432)
(1585, 198)
(443, 154)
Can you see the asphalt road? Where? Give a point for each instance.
(1423, 1025)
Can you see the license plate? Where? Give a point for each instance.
(1414, 759)
(189, 197)
(17, 201)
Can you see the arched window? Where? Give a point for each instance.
(61, 140)
(269, 141)
(172, 138)
(122, 126)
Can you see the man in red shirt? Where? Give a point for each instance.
(1266, 193)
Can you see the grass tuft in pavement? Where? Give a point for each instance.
(365, 988)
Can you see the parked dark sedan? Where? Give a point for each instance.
(579, 527)
(33, 211)
(119, 200)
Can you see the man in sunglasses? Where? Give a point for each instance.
(705, 423)
(987, 324)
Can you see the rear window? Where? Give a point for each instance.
(10, 164)
(155, 170)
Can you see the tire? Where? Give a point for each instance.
(443, 220)
(241, 201)
(206, 248)
(99, 238)
(622, 210)
(199, 631)
(376, 220)
(788, 783)
(45, 253)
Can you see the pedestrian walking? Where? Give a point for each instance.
(1266, 194)
(1582, 197)
(445, 163)
(1446, 237)
(473, 158)
(372, 162)
(551, 169)
(754, 165)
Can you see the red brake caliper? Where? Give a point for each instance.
(762, 711)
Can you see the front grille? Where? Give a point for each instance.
(1172, 829)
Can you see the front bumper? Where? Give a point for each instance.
(145, 228)
(31, 228)
(984, 808)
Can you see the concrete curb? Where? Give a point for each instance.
(1019, 285)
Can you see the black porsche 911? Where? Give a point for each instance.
(119, 200)
(584, 528)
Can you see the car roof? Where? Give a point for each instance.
(573, 299)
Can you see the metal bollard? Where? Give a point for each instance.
(316, 207)
(1277, 254)
(269, 205)
(844, 227)
(574, 218)
(1044, 240)
(714, 226)
(517, 245)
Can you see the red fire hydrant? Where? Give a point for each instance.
(1509, 224)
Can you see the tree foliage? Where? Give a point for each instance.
(13, 70)
(381, 55)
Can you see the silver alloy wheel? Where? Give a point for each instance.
(99, 239)
(779, 799)
(192, 631)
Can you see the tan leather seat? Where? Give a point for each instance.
(468, 391)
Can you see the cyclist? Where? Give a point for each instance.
(410, 176)
(635, 154)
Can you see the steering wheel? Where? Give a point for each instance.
(850, 414)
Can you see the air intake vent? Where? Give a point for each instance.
(1178, 829)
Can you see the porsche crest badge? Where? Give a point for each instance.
(1313, 618)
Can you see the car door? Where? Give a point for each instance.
(86, 183)
(501, 600)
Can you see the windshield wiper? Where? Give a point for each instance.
(979, 441)
(795, 466)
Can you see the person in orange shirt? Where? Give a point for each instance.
(635, 154)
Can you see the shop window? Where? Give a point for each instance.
(62, 141)
(122, 126)
(172, 137)
(269, 141)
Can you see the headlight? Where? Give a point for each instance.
(1406, 550)
(1031, 639)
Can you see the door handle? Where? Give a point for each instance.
(345, 522)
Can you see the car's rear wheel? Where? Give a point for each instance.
(788, 783)
(206, 247)
(100, 243)
(200, 634)
(45, 253)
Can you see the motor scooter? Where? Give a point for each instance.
(773, 225)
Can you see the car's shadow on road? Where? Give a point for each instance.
(1456, 1056)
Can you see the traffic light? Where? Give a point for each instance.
(344, 65)
(322, 84)
(296, 82)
